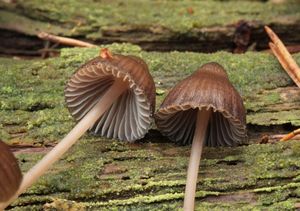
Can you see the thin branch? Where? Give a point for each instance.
(46, 47)
(284, 57)
(292, 49)
(64, 40)
(281, 136)
(270, 139)
(290, 135)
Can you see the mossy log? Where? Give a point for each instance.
(155, 25)
(105, 174)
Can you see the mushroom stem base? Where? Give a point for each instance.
(117, 88)
(192, 173)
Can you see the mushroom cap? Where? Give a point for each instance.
(208, 87)
(129, 117)
(10, 173)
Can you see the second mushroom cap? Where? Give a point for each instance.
(208, 87)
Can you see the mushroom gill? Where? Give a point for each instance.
(129, 117)
(209, 87)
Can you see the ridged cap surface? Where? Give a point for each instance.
(10, 173)
(208, 87)
(129, 117)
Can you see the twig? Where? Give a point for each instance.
(49, 51)
(291, 49)
(64, 40)
(290, 135)
(281, 136)
(284, 57)
(46, 47)
(105, 53)
(265, 139)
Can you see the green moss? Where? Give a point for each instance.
(263, 101)
(62, 204)
(136, 200)
(277, 188)
(273, 98)
(277, 196)
(285, 205)
(277, 118)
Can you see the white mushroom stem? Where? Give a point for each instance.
(192, 173)
(117, 88)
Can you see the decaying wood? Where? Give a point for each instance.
(106, 174)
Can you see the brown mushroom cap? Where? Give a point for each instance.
(129, 117)
(10, 173)
(208, 87)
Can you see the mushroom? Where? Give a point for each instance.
(113, 96)
(10, 173)
(129, 117)
(202, 109)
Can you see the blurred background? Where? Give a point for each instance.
(155, 25)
